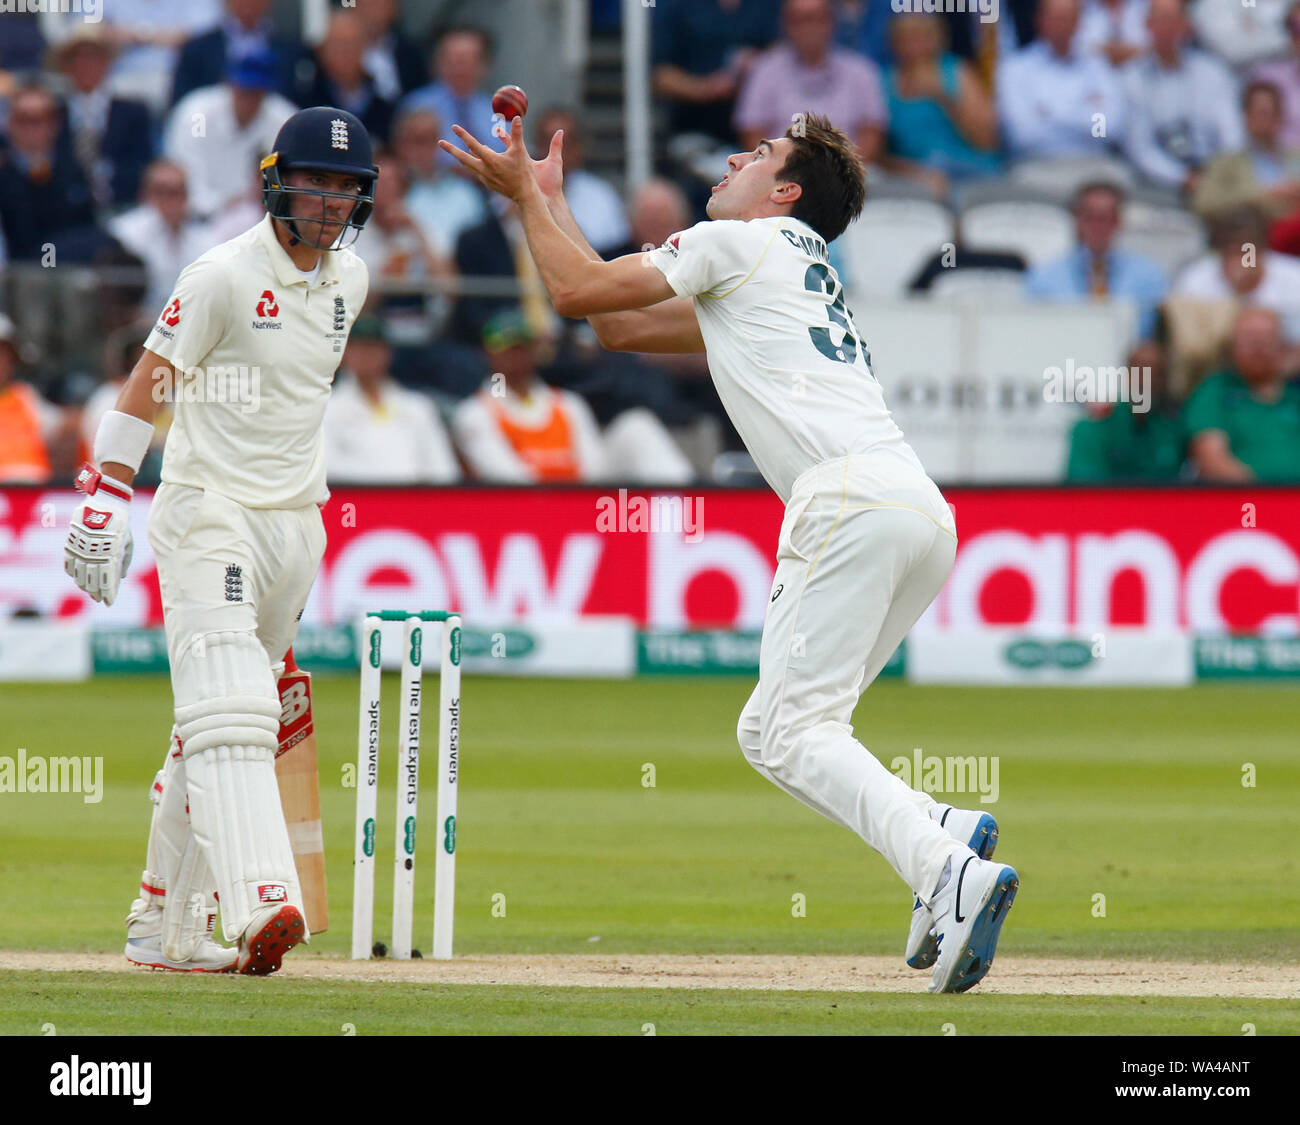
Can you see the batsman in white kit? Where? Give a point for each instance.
(867, 541)
(247, 347)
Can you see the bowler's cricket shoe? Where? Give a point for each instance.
(968, 915)
(979, 832)
(271, 933)
(208, 958)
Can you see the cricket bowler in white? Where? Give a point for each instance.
(867, 541)
(248, 346)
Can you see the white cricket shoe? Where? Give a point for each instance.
(144, 946)
(968, 917)
(269, 935)
(979, 832)
(208, 958)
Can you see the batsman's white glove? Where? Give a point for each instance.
(98, 551)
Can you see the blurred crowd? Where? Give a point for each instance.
(135, 142)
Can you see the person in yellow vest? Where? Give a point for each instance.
(518, 430)
(27, 421)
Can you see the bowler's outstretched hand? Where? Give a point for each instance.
(510, 173)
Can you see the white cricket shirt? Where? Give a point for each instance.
(791, 369)
(255, 346)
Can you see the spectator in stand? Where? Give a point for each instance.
(245, 30)
(111, 136)
(863, 26)
(942, 124)
(121, 353)
(1096, 267)
(596, 206)
(519, 429)
(1241, 270)
(497, 248)
(1241, 32)
(455, 96)
(516, 429)
(1051, 96)
(442, 205)
(659, 209)
(217, 132)
(377, 432)
(44, 196)
(701, 53)
(395, 63)
(1115, 29)
(341, 79)
(1116, 444)
(36, 438)
(1285, 75)
(148, 35)
(1183, 106)
(1244, 423)
(807, 73)
(21, 47)
(1263, 174)
(394, 250)
(160, 232)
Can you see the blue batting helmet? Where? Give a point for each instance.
(321, 139)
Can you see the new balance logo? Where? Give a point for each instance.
(272, 892)
(234, 583)
(339, 134)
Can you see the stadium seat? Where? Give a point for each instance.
(1168, 235)
(979, 285)
(1060, 179)
(1039, 232)
(890, 242)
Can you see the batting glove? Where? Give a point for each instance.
(98, 551)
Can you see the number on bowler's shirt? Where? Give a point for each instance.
(818, 280)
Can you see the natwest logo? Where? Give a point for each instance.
(171, 315)
(267, 306)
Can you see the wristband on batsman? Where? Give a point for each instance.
(123, 439)
(91, 481)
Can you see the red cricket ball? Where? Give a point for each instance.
(510, 102)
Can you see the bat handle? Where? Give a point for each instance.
(290, 665)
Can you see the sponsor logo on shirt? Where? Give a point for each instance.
(673, 245)
(268, 309)
(171, 315)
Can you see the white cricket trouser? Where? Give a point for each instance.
(198, 535)
(234, 582)
(866, 544)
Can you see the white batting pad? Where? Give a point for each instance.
(228, 716)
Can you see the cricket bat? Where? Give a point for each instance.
(296, 771)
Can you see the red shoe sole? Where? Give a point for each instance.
(266, 949)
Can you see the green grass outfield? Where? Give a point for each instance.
(1136, 795)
